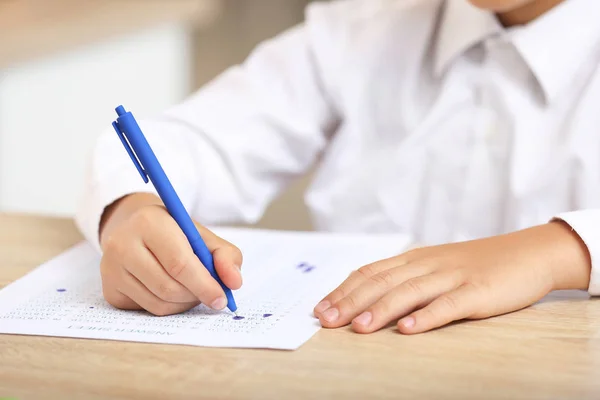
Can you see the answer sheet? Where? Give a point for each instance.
(285, 274)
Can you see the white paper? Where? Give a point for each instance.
(285, 274)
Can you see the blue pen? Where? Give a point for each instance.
(149, 168)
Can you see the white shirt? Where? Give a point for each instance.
(425, 117)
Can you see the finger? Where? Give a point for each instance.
(227, 258)
(356, 279)
(173, 251)
(120, 301)
(133, 289)
(145, 267)
(453, 306)
(228, 266)
(214, 242)
(371, 290)
(403, 299)
(111, 273)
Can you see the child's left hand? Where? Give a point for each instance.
(432, 286)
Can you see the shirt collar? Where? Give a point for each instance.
(556, 45)
(461, 26)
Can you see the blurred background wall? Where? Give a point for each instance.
(65, 64)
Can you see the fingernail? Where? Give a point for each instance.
(322, 306)
(408, 322)
(364, 318)
(219, 303)
(331, 314)
(239, 270)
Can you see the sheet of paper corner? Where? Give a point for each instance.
(285, 274)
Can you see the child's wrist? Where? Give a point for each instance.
(571, 264)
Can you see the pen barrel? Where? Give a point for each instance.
(205, 257)
(157, 175)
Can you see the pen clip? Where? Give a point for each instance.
(130, 151)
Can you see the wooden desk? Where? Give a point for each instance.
(549, 351)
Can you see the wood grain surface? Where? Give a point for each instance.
(548, 351)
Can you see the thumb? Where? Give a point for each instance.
(228, 261)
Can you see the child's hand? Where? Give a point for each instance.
(149, 264)
(433, 286)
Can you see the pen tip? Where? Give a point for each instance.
(235, 313)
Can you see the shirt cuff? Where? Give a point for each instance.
(586, 224)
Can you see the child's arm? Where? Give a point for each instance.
(432, 286)
(228, 150)
(231, 147)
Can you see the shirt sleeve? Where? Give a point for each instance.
(586, 224)
(232, 146)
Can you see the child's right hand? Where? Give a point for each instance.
(149, 264)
